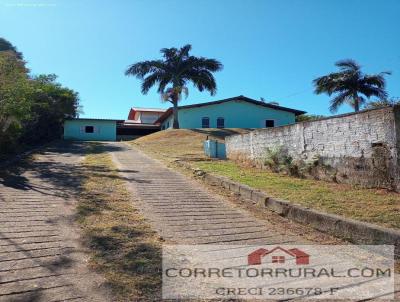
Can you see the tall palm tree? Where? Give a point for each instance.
(175, 70)
(348, 83)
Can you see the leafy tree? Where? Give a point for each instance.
(51, 105)
(383, 103)
(7, 46)
(308, 117)
(32, 109)
(348, 83)
(176, 70)
(15, 90)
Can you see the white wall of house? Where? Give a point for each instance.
(147, 117)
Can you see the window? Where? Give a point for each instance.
(220, 122)
(205, 122)
(278, 259)
(269, 123)
(167, 126)
(89, 129)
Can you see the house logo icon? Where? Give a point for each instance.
(279, 255)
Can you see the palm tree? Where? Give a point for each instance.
(175, 70)
(348, 83)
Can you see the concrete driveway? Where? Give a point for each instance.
(41, 255)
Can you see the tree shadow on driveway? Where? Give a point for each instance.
(56, 170)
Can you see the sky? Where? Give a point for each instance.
(269, 49)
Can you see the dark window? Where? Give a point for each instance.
(220, 122)
(205, 122)
(167, 125)
(89, 129)
(269, 123)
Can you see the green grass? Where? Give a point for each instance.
(124, 248)
(370, 205)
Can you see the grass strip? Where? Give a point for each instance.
(124, 247)
(371, 205)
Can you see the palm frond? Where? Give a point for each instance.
(203, 80)
(329, 83)
(169, 53)
(339, 100)
(377, 80)
(163, 83)
(184, 51)
(206, 64)
(348, 64)
(370, 90)
(142, 68)
(150, 81)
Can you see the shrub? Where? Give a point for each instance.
(277, 159)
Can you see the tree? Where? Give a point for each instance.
(51, 105)
(348, 83)
(308, 117)
(7, 46)
(32, 108)
(176, 70)
(383, 103)
(15, 101)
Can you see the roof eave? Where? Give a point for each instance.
(246, 99)
(164, 116)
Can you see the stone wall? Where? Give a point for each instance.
(359, 148)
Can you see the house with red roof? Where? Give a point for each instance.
(278, 255)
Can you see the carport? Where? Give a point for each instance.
(127, 130)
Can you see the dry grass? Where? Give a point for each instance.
(370, 205)
(125, 250)
(183, 143)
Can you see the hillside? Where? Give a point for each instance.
(182, 143)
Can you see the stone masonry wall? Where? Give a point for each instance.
(362, 148)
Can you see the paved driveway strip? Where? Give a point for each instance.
(41, 258)
(185, 212)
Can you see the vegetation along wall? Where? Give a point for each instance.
(359, 148)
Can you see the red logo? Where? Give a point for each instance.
(278, 255)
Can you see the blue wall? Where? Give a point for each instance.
(237, 114)
(105, 130)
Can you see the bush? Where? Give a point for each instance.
(277, 159)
